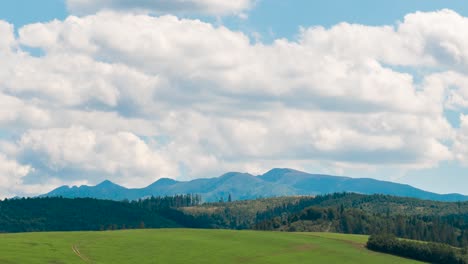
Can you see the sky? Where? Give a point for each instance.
(134, 91)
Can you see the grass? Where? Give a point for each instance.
(188, 246)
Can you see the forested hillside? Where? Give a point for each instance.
(442, 222)
(346, 213)
(60, 214)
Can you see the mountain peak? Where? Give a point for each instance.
(231, 174)
(282, 171)
(107, 184)
(236, 176)
(163, 182)
(166, 180)
(278, 172)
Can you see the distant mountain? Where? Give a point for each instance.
(242, 186)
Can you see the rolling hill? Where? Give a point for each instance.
(242, 186)
(188, 246)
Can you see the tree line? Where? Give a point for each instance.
(427, 252)
(61, 214)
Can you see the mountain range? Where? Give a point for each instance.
(243, 186)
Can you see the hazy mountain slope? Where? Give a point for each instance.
(241, 186)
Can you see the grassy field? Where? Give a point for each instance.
(188, 246)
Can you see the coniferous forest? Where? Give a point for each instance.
(427, 252)
(59, 214)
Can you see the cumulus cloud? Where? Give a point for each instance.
(11, 174)
(456, 88)
(431, 39)
(56, 78)
(221, 61)
(16, 113)
(133, 97)
(211, 7)
(460, 145)
(11, 171)
(377, 139)
(122, 156)
(8, 38)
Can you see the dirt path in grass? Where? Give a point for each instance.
(78, 253)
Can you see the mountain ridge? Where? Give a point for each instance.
(243, 186)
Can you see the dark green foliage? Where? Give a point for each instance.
(428, 252)
(353, 217)
(344, 213)
(237, 214)
(60, 214)
(176, 201)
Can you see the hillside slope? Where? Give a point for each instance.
(188, 246)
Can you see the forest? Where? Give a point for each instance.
(85, 214)
(427, 252)
(350, 213)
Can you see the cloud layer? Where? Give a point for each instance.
(133, 97)
(210, 7)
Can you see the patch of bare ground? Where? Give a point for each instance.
(77, 252)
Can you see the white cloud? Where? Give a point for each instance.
(373, 139)
(11, 174)
(121, 156)
(7, 41)
(16, 113)
(134, 97)
(438, 35)
(431, 39)
(211, 7)
(460, 145)
(109, 122)
(194, 57)
(75, 80)
(456, 88)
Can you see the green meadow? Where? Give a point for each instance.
(187, 246)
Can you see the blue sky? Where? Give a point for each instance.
(249, 115)
(22, 12)
(269, 16)
(283, 17)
